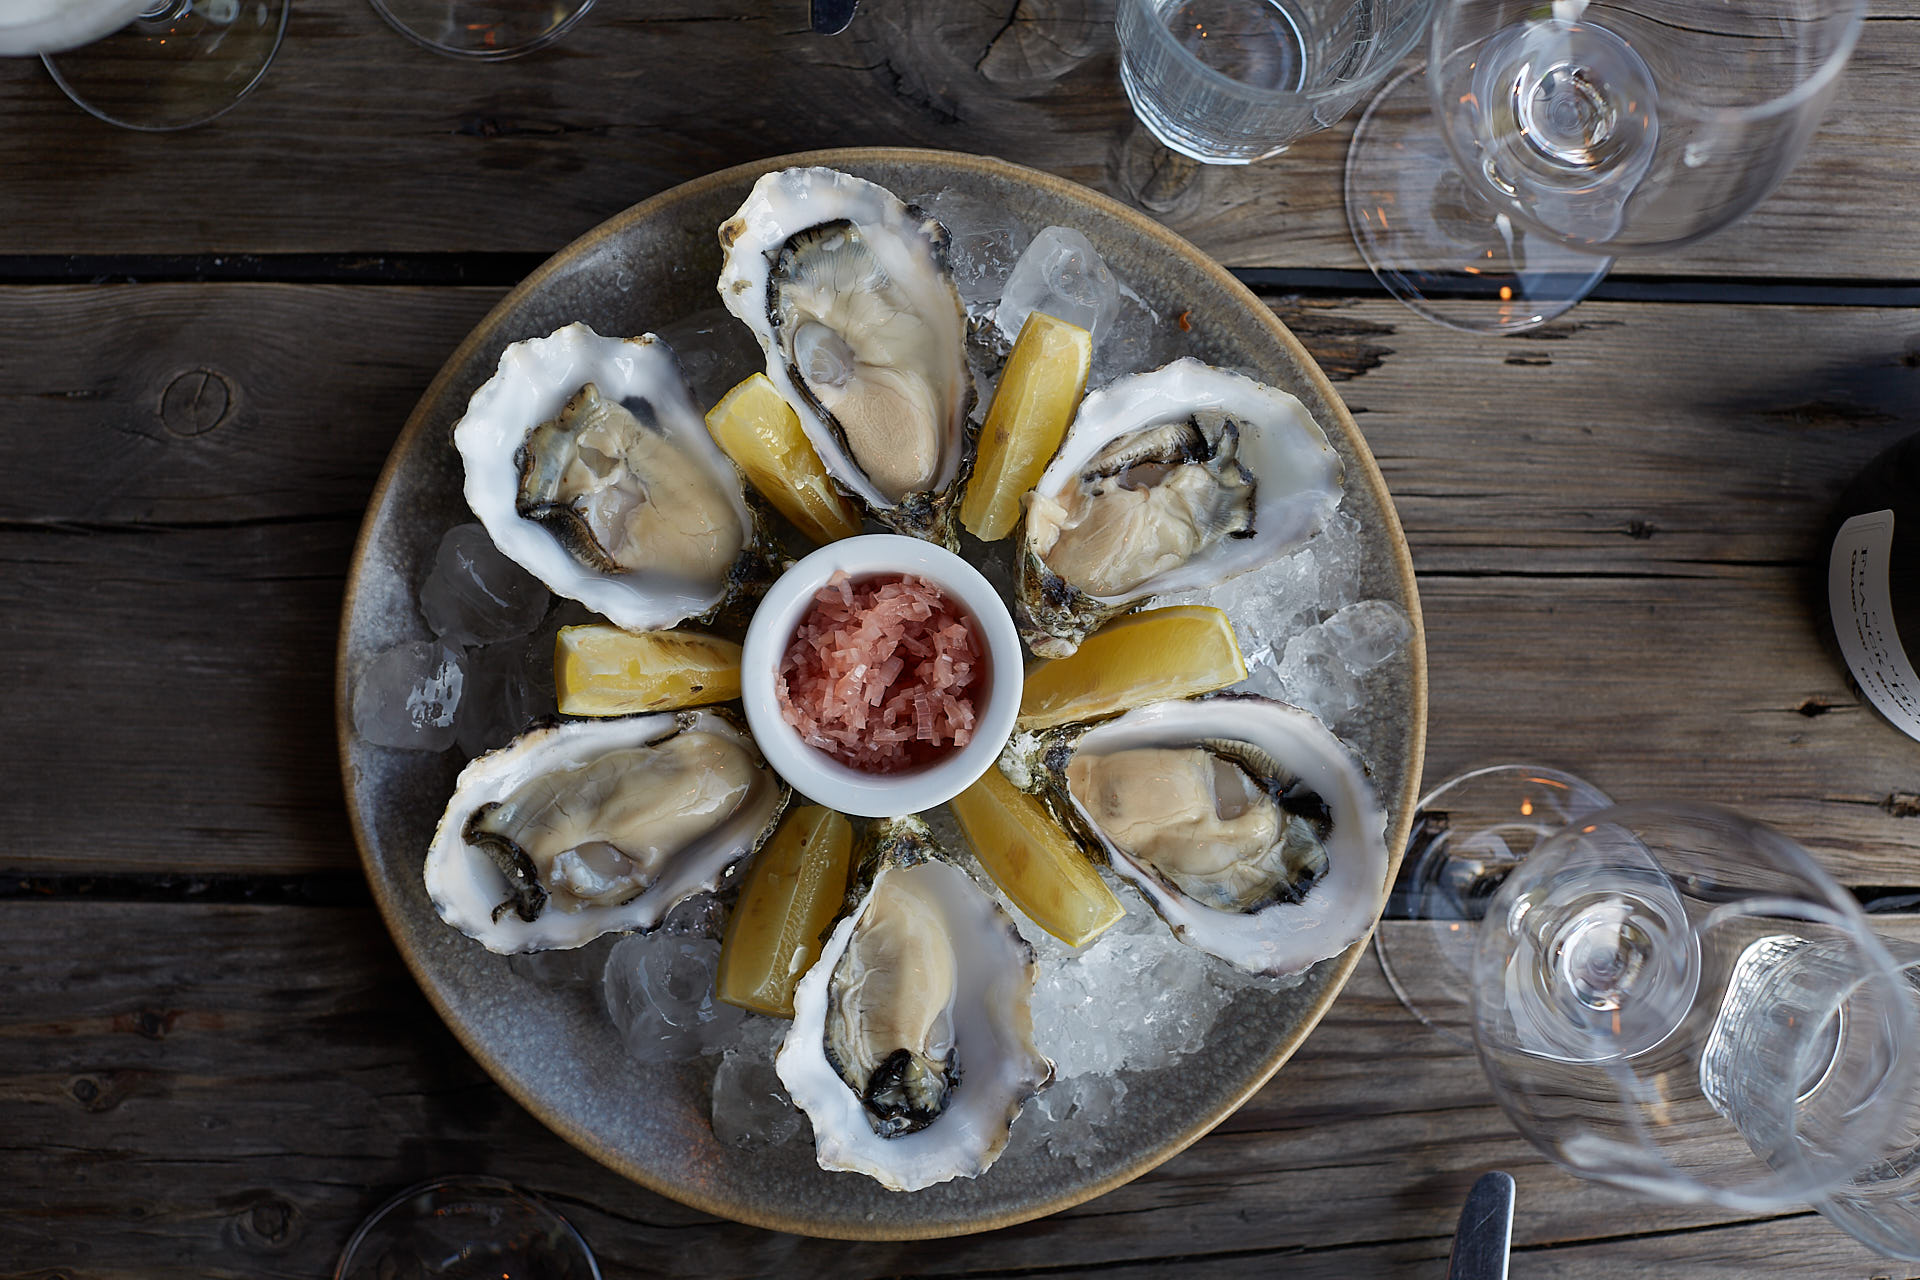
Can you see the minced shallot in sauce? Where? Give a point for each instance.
(881, 673)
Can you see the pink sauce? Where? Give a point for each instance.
(881, 674)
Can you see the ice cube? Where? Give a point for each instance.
(750, 1105)
(659, 995)
(500, 700)
(575, 967)
(475, 595)
(407, 696)
(1136, 340)
(984, 241)
(715, 352)
(1061, 275)
(538, 652)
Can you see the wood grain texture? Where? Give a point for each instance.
(359, 142)
(225, 1091)
(1615, 535)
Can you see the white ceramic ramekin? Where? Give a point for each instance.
(810, 770)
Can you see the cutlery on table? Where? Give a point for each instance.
(1486, 1229)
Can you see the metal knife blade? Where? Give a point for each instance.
(1481, 1241)
(830, 17)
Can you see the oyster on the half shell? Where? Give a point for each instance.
(1177, 478)
(912, 1047)
(1254, 832)
(848, 293)
(587, 827)
(589, 465)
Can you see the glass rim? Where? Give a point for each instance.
(467, 1181)
(1801, 1179)
(1159, 33)
(100, 113)
(1811, 86)
(539, 42)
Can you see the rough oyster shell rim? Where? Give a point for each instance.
(461, 880)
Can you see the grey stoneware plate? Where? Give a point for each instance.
(553, 1049)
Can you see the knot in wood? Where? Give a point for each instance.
(272, 1220)
(96, 1095)
(195, 402)
(154, 1023)
(1153, 177)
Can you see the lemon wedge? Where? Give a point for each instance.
(794, 888)
(1034, 862)
(1174, 652)
(1040, 389)
(761, 433)
(600, 670)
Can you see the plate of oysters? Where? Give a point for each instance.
(880, 693)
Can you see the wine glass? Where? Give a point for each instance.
(1467, 835)
(1234, 81)
(152, 65)
(484, 29)
(1491, 193)
(466, 1228)
(1677, 1000)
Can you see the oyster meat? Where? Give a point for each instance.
(1252, 830)
(912, 1047)
(595, 474)
(588, 827)
(1181, 477)
(848, 293)
(589, 465)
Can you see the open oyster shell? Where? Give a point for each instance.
(1177, 478)
(597, 826)
(911, 1049)
(1254, 832)
(567, 450)
(848, 293)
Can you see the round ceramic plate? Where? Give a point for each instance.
(553, 1049)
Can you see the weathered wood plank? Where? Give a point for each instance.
(206, 405)
(1627, 438)
(1639, 514)
(224, 1091)
(358, 141)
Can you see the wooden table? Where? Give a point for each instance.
(212, 1062)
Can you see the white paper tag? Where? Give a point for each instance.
(1862, 610)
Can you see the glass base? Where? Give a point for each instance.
(482, 29)
(179, 64)
(1468, 833)
(466, 1228)
(1430, 238)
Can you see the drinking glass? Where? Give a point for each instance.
(152, 65)
(466, 1228)
(1467, 836)
(1677, 1000)
(1880, 1205)
(1545, 138)
(1234, 81)
(484, 29)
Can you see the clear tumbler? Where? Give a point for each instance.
(1234, 81)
